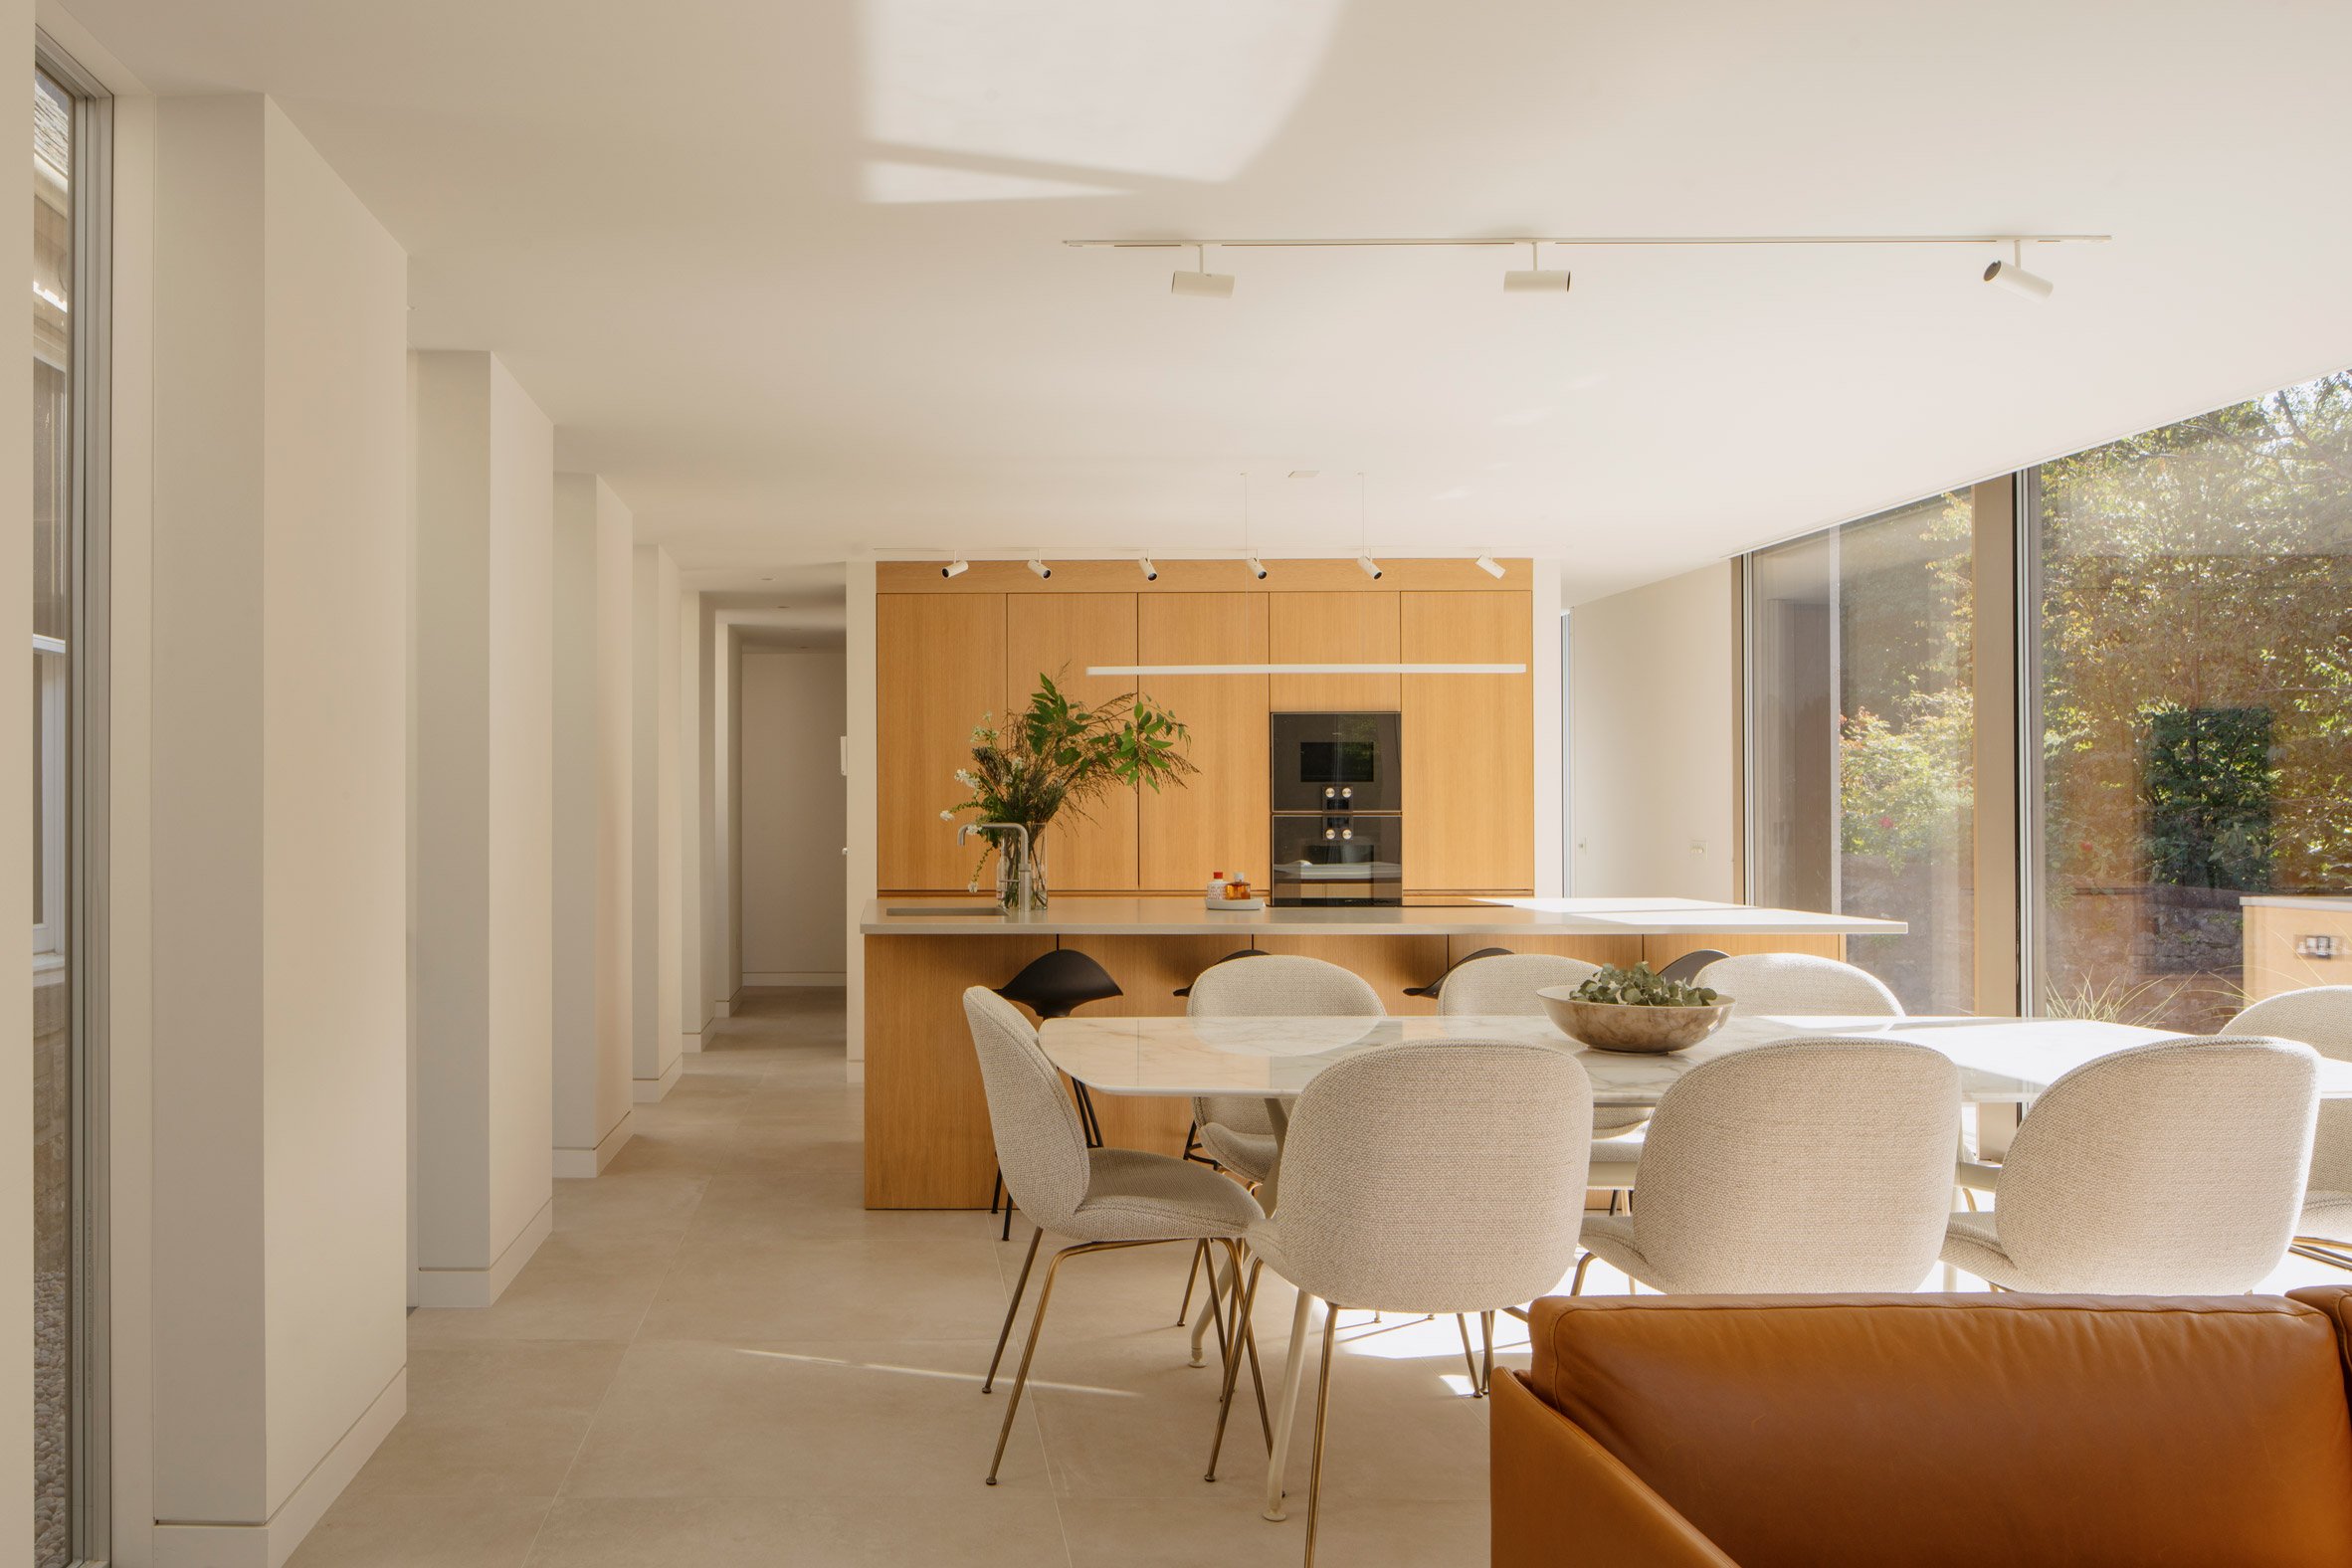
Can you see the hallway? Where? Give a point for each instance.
(720, 1357)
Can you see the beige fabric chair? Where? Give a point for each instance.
(1234, 1128)
(1427, 1177)
(1806, 1165)
(1104, 1199)
(1505, 986)
(2320, 1017)
(2169, 1169)
(1799, 983)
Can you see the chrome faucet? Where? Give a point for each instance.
(1021, 869)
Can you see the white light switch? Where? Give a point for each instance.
(1698, 847)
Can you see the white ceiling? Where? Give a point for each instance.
(789, 274)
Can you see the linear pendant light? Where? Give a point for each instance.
(1307, 670)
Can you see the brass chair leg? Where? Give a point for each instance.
(1192, 1276)
(1315, 1469)
(1245, 1336)
(2320, 1250)
(1487, 1368)
(1576, 1285)
(988, 1383)
(1045, 1297)
(1469, 1357)
(1233, 1367)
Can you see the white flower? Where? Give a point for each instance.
(947, 815)
(973, 886)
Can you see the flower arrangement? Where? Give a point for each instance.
(1058, 755)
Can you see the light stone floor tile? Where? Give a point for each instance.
(721, 1357)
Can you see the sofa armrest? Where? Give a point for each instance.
(1560, 1497)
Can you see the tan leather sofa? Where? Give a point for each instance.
(1925, 1431)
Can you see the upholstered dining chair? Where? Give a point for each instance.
(1805, 1165)
(1433, 1176)
(1104, 1199)
(2320, 1017)
(1056, 984)
(1505, 985)
(1799, 983)
(1235, 1130)
(2173, 1168)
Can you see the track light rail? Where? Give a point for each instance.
(1307, 243)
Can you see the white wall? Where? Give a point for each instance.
(794, 811)
(1653, 760)
(484, 735)
(862, 865)
(592, 875)
(655, 813)
(279, 654)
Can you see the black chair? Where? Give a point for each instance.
(1056, 985)
(1689, 964)
(1439, 984)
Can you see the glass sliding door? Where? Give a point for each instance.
(67, 763)
(2191, 592)
(1862, 740)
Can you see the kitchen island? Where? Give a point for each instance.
(928, 1142)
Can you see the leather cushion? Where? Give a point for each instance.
(1929, 1431)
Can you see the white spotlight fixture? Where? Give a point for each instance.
(1491, 566)
(1371, 567)
(1201, 284)
(1039, 567)
(955, 568)
(1151, 573)
(1256, 566)
(2012, 274)
(1535, 279)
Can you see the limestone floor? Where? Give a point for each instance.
(721, 1359)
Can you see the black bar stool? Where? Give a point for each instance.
(1432, 989)
(1055, 985)
(1690, 963)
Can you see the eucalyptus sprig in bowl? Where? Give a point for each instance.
(1636, 1009)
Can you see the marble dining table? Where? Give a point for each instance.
(2002, 1061)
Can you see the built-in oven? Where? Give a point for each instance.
(1338, 830)
(1337, 762)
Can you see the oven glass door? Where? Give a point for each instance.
(1337, 762)
(1343, 858)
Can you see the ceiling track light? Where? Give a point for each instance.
(1535, 279)
(1040, 569)
(1256, 566)
(1371, 567)
(1200, 283)
(1151, 573)
(1491, 566)
(2012, 276)
(955, 568)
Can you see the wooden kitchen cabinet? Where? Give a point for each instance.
(1058, 635)
(1218, 820)
(939, 666)
(1335, 629)
(1468, 744)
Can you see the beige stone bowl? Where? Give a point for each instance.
(1613, 1025)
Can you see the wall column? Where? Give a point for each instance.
(485, 730)
(656, 829)
(280, 649)
(593, 917)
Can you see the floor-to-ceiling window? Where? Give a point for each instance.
(2179, 700)
(2192, 617)
(1861, 739)
(68, 530)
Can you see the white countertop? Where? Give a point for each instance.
(1184, 916)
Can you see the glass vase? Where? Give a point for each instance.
(1008, 872)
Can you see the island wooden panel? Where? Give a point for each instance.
(1059, 636)
(1218, 820)
(939, 665)
(928, 1138)
(1468, 743)
(1388, 964)
(1335, 629)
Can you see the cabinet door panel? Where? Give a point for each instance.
(1058, 635)
(939, 665)
(1218, 820)
(1333, 628)
(1468, 743)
